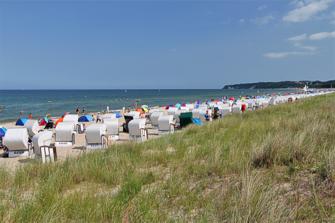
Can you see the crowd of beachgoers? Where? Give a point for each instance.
(50, 138)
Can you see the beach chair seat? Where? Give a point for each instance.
(138, 130)
(166, 124)
(42, 146)
(16, 142)
(65, 134)
(96, 137)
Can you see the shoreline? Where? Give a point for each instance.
(158, 105)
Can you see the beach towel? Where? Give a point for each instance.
(197, 121)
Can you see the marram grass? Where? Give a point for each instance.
(274, 165)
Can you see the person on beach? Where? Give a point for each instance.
(243, 108)
(207, 116)
(83, 111)
(98, 118)
(77, 110)
(30, 116)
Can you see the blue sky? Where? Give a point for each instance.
(164, 44)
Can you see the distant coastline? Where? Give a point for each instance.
(282, 84)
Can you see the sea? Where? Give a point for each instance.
(56, 102)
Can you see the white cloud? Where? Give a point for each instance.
(322, 35)
(298, 38)
(281, 55)
(307, 10)
(297, 3)
(262, 7)
(304, 47)
(263, 20)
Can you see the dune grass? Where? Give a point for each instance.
(273, 165)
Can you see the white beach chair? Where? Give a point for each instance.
(16, 141)
(236, 109)
(41, 145)
(65, 134)
(32, 127)
(112, 128)
(166, 124)
(73, 118)
(224, 111)
(137, 130)
(154, 117)
(134, 114)
(108, 116)
(96, 136)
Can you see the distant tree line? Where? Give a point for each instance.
(283, 84)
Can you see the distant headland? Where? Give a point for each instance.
(283, 84)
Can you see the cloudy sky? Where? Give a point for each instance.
(164, 44)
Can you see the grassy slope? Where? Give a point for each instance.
(274, 165)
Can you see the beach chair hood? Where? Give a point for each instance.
(16, 139)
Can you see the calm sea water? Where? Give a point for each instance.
(56, 102)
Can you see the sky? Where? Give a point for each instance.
(86, 44)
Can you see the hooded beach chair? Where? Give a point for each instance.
(72, 118)
(185, 118)
(112, 128)
(65, 134)
(137, 130)
(41, 146)
(154, 117)
(96, 137)
(128, 117)
(236, 109)
(16, 142)
(33, 127)
(224, 111)
(166, 124)
(108, 116)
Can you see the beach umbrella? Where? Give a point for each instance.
(118, 115)
(43, 121)
(2, 131)
(85, 118)
(21, 121)
(59, 121)
(178, 105)
(231, 99)
(145, 108)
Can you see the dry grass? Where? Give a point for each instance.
(274, 165)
